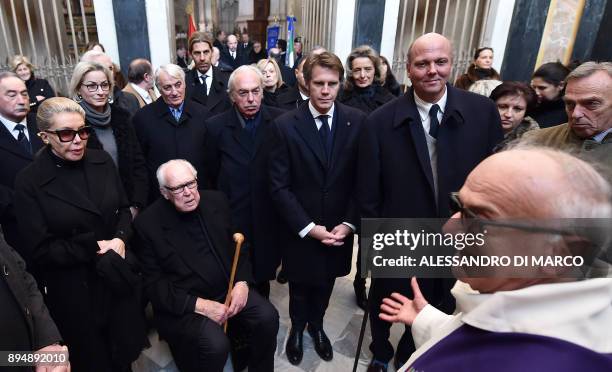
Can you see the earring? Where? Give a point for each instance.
(78, 98)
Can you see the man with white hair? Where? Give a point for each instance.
(125, 100)
(532, 318)
(238, 147)
(171, 127)
(231, 55)
(186, 248)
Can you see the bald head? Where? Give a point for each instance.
(232, 42)
(429, 41)
(430, 60)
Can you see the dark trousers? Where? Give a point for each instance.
(307, 303)
(209, 349)
(436, 291)
(263, 288)
(359, 283)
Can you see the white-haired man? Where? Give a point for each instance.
(186, 248)
(171, 127)
(238, 148)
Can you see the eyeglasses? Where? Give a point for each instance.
(178, 190)
(93, 87)
(472, 223)
(67, 135)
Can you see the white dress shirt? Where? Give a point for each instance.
(208, 76)
(10, 126)
(143, 93)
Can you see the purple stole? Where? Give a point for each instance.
(471, 349)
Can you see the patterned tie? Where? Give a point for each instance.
(325, 134)
(434, 124)
(22, 139)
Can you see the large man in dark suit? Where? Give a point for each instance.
(18, 143)
(313, 172)
(413, 152)
(206, 84)
(238, 147)
(171, 127)
(186, 249)
(293, 97)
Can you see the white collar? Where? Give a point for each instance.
(578, 312)
(424, 106)
(304, 97)
(316, 114)
(208, 73)
(143, 93)
(10, 125)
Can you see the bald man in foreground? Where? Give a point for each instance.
(413, 152)
(533, 318)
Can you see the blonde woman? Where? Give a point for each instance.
(273, 80)
(38, 89)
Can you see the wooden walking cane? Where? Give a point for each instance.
(238, 238)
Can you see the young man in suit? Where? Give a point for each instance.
(186, 248)
(433, 136)
(312, 175)
(205, 83)
(238, 147)
(18, 144)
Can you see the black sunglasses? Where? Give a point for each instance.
(472, 223)
(67, 135)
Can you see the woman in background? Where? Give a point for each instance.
(480, 69)
(272, 80)
(548, 81)
(38, 89)
(389, 82)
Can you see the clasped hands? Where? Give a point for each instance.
(220, 313)
(334, 237)
(115, 244)
(64, 367)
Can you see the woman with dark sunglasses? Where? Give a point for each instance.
(75, 221)
(91, 87)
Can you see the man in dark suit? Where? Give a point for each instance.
(312, 171)
(231, 55)
(24, 319)
(206, 84)
(245, 46)
(171, 127)
(413, 152)
(294, 96)
(238, 147)
(186, 248)
(18, 143)
(287, 72)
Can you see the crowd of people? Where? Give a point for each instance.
(120, 196)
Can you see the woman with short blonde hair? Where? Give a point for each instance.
(272, 79)
(38, 89)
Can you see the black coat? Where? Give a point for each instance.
(245, 50)
(217, 100)
(130, 162)
(162, 138)
(127, 101)
(172, 273)
(241, 58)
(14, 159)
(61, 227)
(550, 113)
(238, 166)
(270, 98)
(42, 329)
(38, 87)
(290, 99)
(305, 189)
(395, 176)
(366, 104)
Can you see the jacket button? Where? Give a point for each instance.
(27, 311)
(5, 269)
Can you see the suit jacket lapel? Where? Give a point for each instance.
(238, 133)
(341, 133)
(35, 141)
(408, 112)
(260, 135)
(306, 127)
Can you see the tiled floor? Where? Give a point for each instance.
(342, 325)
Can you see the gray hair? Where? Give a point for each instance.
(92, 55)
(82, 69)
(171, 69)
(8, 74)
(484, 87)
(243, 69)
(363, 51)
(589, 68)
(161, 170)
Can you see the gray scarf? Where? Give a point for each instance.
(101, 125)
(96, 118)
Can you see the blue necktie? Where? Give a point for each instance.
(22, 139)
(434, 124)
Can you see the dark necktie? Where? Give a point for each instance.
(204, 85)
(22, 139)
(325, 134)
(249, 126)
(434, 124)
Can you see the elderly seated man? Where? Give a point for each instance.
(186, 250)
(543, 322)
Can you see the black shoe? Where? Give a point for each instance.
(281, 278)
(322, 344)
(398, 363)
(376, 367)
(294, 348)
(360, 297)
